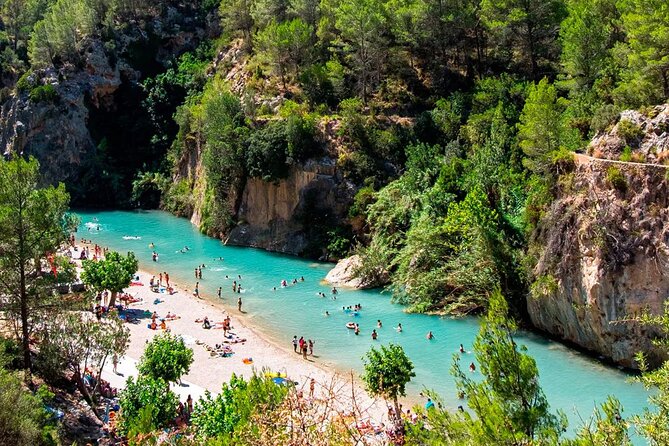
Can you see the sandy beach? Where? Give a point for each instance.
(209, 370)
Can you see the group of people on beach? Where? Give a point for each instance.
(306, 347)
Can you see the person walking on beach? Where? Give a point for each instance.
(167, 280)
(196, 293)
(311, 347)
(239, 304)
(219, 292)
(295, 344)
(115, 363)
(312, 386)
(160, 279)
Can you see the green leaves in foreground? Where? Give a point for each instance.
(387, 371)
(166, 357)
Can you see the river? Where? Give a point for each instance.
(572, 381)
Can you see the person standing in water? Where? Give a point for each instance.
(295, 344)
(374, 335)
(196, 293)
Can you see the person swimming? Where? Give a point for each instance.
(399, 328)
(429, 335)
(462, 348)
(378, 323)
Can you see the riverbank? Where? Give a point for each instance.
(210, 371)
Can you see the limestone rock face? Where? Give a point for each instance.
(344, 274)
(603, 259)
(276, 215)
(56, 132)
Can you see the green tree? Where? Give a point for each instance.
(166, 357)
(265, 12)
(284, 45)
(229, 415)
(509, 404)
(541, 131)
(361, 24)
(646, 24)
(236, 18)
(74, 341)
(33, 222)
(113, 273)
(526, 27)
(24, 420)
(585, 36)
(387, 372)
(147, 397)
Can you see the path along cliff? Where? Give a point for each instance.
(602, 250)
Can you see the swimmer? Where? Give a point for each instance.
(399, 328)
(357, 329)
(378, 323)
(374, 335)
(327, 313)
(472, 367)
(302, 279)
(151, 245)
(462, 348)
(429, 335)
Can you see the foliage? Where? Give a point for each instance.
(75, 341)
(44, 93)
(33, 222)
(113, 273)
(166, 357)
(147, 399)
(509, 405)
(616, 178)
(629, 131)
(229, 415)
(387, 372)
(24, 420)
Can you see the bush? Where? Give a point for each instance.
(166, 357)
(629, 131)
(363, 198)
(23, 418)
(616, 178)
(147, 391)
(25, 82)
(627, 154)
(266, 156)
(43, 93)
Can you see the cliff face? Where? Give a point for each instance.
(55, 131)
(70, 132)
(276, 216)
(603, 255)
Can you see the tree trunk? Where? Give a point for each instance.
(25, 332)
(112, 299)
(79, 379)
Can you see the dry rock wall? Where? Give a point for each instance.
(603, 259)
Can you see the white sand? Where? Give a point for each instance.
(209, 372)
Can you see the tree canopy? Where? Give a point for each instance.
(113, 273)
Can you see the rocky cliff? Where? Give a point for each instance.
(602, 250)
(68, 116)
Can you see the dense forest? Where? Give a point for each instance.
(454, 120)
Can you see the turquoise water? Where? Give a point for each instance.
(572, 382)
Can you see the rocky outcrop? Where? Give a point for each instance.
(602, 255)
(646, 134)
(345, 274)
(277, 215)
(55, 131)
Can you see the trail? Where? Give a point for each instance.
(581, 158)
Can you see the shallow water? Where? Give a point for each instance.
(572, 381)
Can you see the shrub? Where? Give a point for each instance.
(25, 82)
(629, 131)
(363, 198)
(43, 93)
(604, 117)
(627, 154)
(151, 392)
(266, 153)
(166, 357)
(616, 178)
